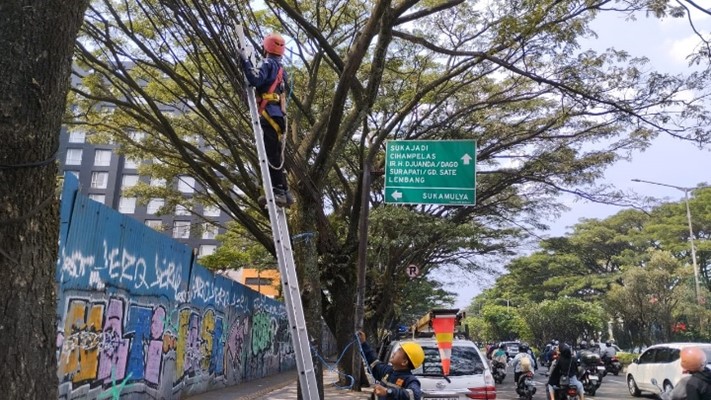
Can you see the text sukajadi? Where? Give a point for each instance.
(430, 172)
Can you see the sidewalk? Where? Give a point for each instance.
(280, 387)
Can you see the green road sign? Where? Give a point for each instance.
(430, 172)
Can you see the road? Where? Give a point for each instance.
(612, 388)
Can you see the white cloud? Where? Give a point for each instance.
(679, 49)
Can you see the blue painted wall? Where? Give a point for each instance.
(138, 318)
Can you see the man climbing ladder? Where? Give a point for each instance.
(270, 81)
(267, 117)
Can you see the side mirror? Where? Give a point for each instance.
(636, 361)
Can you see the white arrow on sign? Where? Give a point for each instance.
(397, 195)
(466, 158)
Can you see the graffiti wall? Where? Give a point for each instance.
(138, 318)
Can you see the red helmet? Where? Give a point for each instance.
(274, 44)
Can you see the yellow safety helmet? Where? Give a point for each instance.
(414, 353)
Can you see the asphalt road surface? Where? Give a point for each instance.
(612, 388)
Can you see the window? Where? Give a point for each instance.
(75, 173)
(648, 356)
(155, 224)
(211, 211)
(206, 250)
(464, 360)
(127, 205)
(102, 158)
(154, 205)
(181, 229)
(181, 210)
(99, 180)
(77, 136)
(258, 281)
(130, 163)
(186, 184)
(73, 157)
(101, 198)
(209, 231)
(157, 182)
(129, 181)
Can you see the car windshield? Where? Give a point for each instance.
(464, 361)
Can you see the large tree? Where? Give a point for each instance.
(36, 44)
(548, 117)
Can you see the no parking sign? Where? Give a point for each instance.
(413, 271)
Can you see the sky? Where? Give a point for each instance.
(671, 161)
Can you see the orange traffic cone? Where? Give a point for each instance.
(443, 326)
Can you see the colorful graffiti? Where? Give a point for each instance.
(137, 317)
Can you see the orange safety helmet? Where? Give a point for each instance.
(274, 44)
(692, 359)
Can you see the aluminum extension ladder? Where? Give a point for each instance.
(285, 257)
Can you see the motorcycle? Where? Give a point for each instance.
(498, 371)
(569, 392)
(525, 388)
(663, 395)
(613, 365)
(590, 380)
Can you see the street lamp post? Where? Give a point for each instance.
(691, 232)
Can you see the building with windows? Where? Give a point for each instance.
(104, 175)
(265, 281)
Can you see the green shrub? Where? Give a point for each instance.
(626, 358)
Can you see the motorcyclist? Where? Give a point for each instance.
(500, 355)
(566, 364)
(499, 359)
(522, 363)
(697, 384)
(608, 352)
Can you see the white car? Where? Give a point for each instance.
(469, 375)
(660, 362)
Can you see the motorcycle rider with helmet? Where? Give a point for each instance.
(566, 364)
(498, 361)
(523, 363)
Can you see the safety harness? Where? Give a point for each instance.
(271, 97)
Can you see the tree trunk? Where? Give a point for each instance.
(305, 257)
(36, 44)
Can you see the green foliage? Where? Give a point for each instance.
(629, 264)
(478, 329)
(566, 319)
(238, 250)
(647, 298)
(505, 323)
(626, 358)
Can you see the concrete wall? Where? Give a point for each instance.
(139, 319)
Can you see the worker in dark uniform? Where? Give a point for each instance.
(395, 379)
(270, 84)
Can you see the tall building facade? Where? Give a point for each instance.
(104, 175)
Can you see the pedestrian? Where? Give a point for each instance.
(270, 82)
(395, 379)
(697, 384)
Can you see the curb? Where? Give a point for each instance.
(262, 393)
